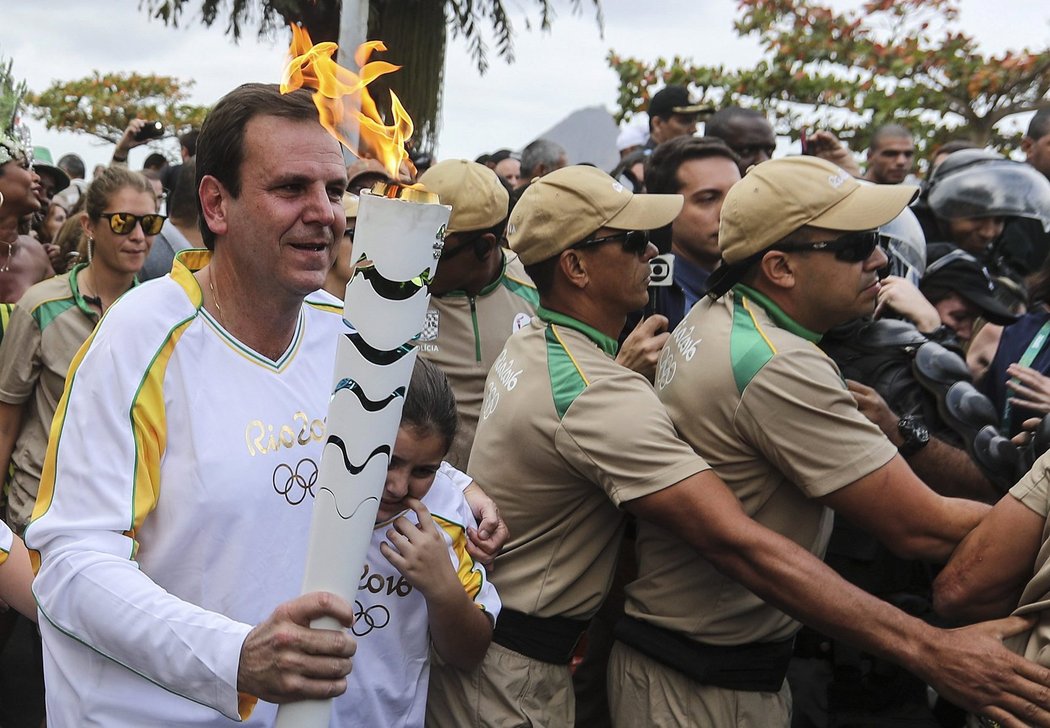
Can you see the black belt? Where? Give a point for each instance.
(548, 639)
(754, 667)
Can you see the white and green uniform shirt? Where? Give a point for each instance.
(567, 435)
(47, 327)
(174, 507)
(388, 685)
(464, 334)
(748, 388)
(1033, 490)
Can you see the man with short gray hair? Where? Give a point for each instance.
(539, 158)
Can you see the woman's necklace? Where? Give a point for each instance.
(85, 292)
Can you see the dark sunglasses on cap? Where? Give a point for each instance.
(635, 242)
(849, 248)
(122, 223)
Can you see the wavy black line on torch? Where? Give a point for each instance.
(389, 289)
(354, 513)
(379, 357)
(350, 467)
(371, 406)
(353, 470)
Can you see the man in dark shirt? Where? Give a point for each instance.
(702, 170)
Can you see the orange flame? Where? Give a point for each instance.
(343, 101)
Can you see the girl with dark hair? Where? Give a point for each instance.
(420, 587)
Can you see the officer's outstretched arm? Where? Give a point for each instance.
(970, 666)
(988, 571)
(893, 505)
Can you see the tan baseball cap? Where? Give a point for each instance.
(366, 170)
(779, 196)
(562, 208)
(478, 198)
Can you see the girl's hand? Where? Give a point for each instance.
(419, 552)
(486, 541)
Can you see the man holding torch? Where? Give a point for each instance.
(177, 489)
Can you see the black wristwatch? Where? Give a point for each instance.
(915, 435)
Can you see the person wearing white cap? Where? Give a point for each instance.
(631, 139)
(747, 388)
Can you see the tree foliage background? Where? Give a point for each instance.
(103, 104)
(903, 61)
(413, 30)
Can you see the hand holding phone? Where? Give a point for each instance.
(150, 130)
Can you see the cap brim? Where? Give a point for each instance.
(866, 208)
(992, 309)
(56, 172)
(693, 109)
(646, 212)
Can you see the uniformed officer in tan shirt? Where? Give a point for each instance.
(1003, 566)
(480, 295)
(568, 438)
(747, 387)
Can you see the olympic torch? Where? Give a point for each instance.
(397, 244)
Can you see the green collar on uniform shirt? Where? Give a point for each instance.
(78, 297)
(780, 318)
(607, 344)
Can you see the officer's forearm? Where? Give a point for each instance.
(952, 472)
(970, 666)
(704, 513)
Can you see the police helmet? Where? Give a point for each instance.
(980, 183)
(905, 247)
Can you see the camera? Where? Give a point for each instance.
(152, 130)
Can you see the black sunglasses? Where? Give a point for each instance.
(849, 248)
(122, 223)
(635, 242)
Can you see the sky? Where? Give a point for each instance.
(554, 74)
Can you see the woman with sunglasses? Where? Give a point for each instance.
(57, 315)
